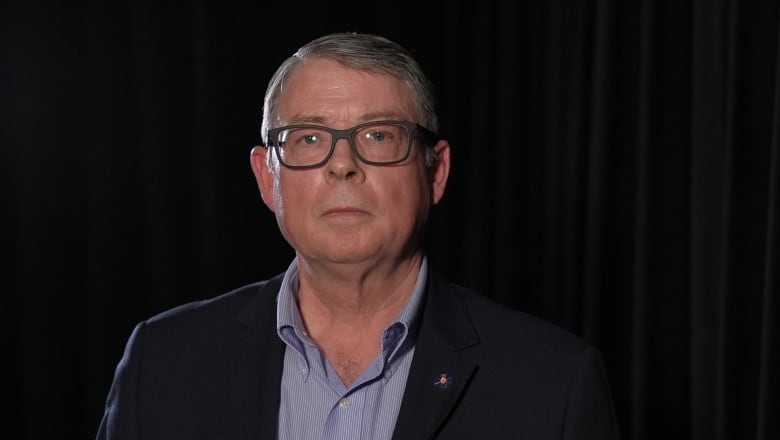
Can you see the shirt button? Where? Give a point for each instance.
(304, 370)
(344, 403)
(388, 373)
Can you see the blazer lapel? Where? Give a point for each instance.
(255, 368)
(440, 371)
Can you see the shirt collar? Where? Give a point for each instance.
(288, 316)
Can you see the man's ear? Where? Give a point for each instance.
(440, 170)
(263, 175)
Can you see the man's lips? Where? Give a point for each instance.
(344, 210)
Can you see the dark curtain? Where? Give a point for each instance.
(616, 170)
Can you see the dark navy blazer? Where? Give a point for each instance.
(212, 370)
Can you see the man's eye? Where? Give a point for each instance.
(310, 139)
(376, 136)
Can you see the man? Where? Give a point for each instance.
(359, 338)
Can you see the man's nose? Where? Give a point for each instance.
(343, 162)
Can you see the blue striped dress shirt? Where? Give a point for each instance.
(315, 404)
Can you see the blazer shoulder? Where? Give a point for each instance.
(493, 322)
(258, 298)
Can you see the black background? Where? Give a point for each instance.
(616, 170)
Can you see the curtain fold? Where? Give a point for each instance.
(711, 30)
(769, 382)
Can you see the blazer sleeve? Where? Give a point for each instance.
(590, 413)
(119, 418)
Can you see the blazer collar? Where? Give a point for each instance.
(441, 369)
(255, 366)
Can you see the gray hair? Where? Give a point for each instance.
(365, 52)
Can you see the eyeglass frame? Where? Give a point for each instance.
(412, 128)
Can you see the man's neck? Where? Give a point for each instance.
(346, 315)
(345, 295)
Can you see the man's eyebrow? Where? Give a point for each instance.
(322, 120)
(301, 119)
(376, 116)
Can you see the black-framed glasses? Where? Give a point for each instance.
(375, 142)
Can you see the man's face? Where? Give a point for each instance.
(347, 211)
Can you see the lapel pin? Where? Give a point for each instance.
(443, 381)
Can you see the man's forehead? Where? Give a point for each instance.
(320, 91)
